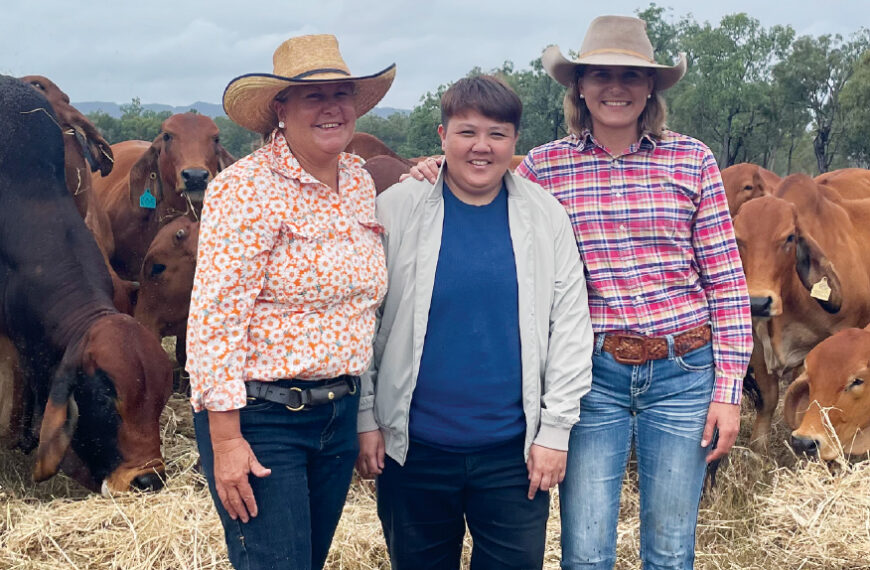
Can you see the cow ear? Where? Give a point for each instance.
(817, 274)
(224, 157)
(758, 187)
(145, 174)
(101, 152)
(797, 400)
(58, 425)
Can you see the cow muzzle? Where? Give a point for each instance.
(195, 179)
(805, 445)
(150, 477)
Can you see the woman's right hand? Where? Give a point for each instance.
(234, 461)
(425, 169)
(371, 454)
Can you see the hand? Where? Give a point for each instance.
(425, 169)
(546, 468)
(234, 461)
(726, 417)
(371, 454)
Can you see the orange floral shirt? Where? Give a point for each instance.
(289, 274)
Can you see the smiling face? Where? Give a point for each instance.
(478, 152)
(615, 96)
(319, 119)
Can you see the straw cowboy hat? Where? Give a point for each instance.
(613, 40)
(303, 60)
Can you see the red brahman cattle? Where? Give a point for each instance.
(850, 183)
(808, 274)
(85, 151)
(745, 181)
(166, 282)
(828, 406)
(152, 183)
(94, 381)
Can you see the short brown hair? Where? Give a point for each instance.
(578, 119)
(488, 95)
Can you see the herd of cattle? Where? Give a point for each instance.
(98, 253)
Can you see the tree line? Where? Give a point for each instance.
(753, 94)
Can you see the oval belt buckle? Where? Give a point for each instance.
(301, 406)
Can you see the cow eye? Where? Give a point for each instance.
(748, 187)
(157, 269)
(856, 382)
(38, 85)
(179, 235)
(167, 137)
(789, 239)
(217, 140)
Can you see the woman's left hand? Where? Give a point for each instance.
(726, 417)
(546, 468)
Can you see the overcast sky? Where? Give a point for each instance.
(178, 52)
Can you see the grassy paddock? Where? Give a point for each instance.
(771, 513)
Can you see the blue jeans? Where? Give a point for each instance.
(425, 504)
(311, 454)
(660, 407)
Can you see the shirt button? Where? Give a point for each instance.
(619, 194)
(622, 227)
(637, 298)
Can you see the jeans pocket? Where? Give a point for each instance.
(257, 405)
(698, 360)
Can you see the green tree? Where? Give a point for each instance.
(422, 138)
(238, 141)
(392, 130)
(816, 71)
(724, 98)
(855, 102)
(109, 126)
(138, 123)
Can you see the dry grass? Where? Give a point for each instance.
(764, 514)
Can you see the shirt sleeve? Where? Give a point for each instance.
(235, 239)
(721, 273)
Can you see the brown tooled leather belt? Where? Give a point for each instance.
(628, 348)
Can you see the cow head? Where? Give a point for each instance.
(167, 278)
(85, 150)
(104, 408)
(180, 163)
(746, 181)
(775, 250)
(828, 406)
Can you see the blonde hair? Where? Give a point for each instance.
(578, 119)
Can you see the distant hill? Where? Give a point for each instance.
(208, 109)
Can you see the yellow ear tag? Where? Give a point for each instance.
(821, 290)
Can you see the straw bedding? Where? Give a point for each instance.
(766, 513)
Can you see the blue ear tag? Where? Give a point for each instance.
(147, 200)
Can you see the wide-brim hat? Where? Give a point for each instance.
(303, 60)
(613, 40)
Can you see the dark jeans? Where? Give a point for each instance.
(425, 504)
(311, 454)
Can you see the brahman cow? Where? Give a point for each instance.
(152, 183)
(367, 146)
(850, 183)
(745, 181)
(166, 282)
(828, 406)
(95, 381)
(85, 151)
(808, 274)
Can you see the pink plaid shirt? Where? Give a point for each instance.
(653, 228)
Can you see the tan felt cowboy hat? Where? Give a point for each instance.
(303, 60)
(613, 40)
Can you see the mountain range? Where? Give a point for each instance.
(207, 109)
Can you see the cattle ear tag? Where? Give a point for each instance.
(821, 290)
(147, 200)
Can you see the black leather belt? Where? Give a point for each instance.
(295, 398)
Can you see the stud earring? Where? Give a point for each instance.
(280, 124)
(649, 95)
(582, 96)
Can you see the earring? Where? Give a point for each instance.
(582, 96)
(649, 95)
(280, 124)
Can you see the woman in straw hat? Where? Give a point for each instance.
(667, 296)
(290, 270)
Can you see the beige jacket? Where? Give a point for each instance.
(555, 329)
